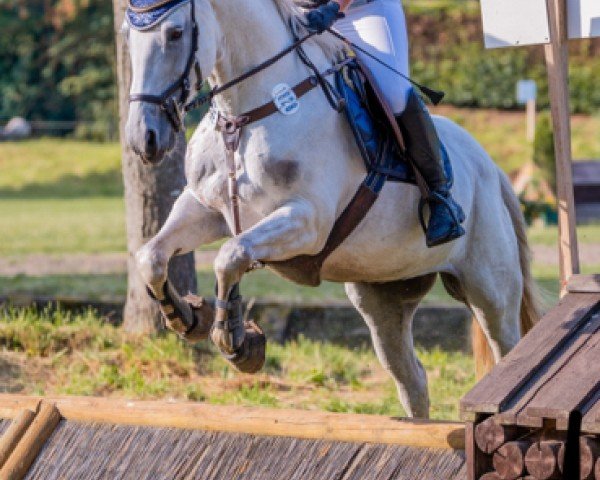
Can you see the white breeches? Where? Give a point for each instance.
(380, 28)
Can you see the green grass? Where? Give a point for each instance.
(261, 284)
(59, 225)
(502, 134)
(61, 353)
(59, 168)
(586, 234)
(65, 196)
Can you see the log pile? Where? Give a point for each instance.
(536, 416)
(512, 453)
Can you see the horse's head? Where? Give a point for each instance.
(170, 50)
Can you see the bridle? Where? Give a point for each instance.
(175, 108)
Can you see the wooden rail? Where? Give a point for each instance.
(249, 420)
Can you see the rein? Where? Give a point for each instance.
(201, 100)
(176, 109)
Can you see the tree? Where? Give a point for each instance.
(148, 201)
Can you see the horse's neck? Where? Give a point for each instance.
(253, 31)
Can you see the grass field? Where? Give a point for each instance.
(259, 284)
(63, 196)
(58, 353)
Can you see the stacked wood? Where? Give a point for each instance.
(542, 460)
(490, 435)
(547, 389)
(533, 458)
(589, 454)
(509, 460)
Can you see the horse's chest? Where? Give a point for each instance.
(268, 176)
(281, 172)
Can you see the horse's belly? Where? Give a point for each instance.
(388, 244)
(367, 260)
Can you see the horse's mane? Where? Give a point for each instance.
(291, 12)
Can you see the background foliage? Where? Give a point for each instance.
(57, 61)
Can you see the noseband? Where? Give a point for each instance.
(174, 108)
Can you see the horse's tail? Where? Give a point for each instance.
(530, 303)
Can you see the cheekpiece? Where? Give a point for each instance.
(145, 14)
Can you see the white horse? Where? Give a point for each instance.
(296, 174)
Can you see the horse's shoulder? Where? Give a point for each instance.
(201, 150)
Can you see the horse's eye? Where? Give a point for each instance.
(175, 34)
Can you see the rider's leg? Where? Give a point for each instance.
(380, 28)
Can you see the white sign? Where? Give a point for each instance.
(583, 18)
(511, 23)
(285, 99)
(526, 91)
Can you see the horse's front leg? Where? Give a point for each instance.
(289, 231)
(189, 225)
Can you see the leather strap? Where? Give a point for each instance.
(231, 129)
(270, 108)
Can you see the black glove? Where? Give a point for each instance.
(323, 17)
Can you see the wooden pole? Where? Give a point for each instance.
(31, 443)
(13, 434)
(256, 421)
(557, 61)
(531, 120)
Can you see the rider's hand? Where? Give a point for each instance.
(320, 19)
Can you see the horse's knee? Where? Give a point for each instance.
(234, 258)
(152, 263)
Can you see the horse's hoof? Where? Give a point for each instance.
(203, 318)
(250, 357)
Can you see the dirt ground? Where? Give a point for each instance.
(107, 263)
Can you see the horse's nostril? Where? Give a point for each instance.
(151, 138)
(151, 142)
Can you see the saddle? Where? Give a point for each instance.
(375, 130)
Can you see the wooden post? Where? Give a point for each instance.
(558, 68)
(15, 431)
(531, 120)
(31, 443)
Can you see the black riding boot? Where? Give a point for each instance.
(427, 152)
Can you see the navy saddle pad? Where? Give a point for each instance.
(374, 136)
